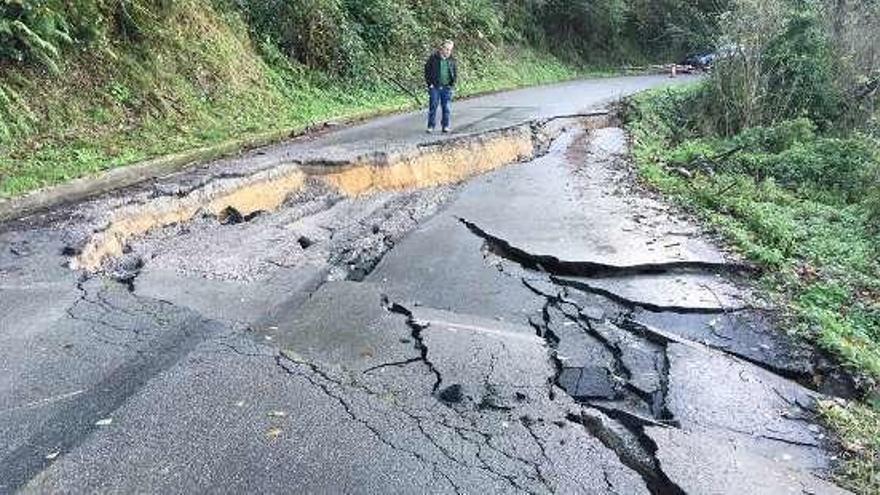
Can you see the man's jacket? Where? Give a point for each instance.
(432, 71)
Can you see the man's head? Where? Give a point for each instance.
(446, 47)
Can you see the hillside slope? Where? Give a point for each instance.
(93, 84)
(196, 77)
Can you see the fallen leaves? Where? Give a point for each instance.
(273, 433)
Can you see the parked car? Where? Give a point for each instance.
(700, 60)
(704, 60)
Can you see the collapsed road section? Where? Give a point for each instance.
(243, 196)
(649, 327)
(544, 327)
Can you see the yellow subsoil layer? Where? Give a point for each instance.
(265, 191)
(435, 165)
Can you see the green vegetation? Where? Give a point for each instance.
(778, 151)
(791, 200)
(800, 205)
(860, 435)
(87, 85)
(193, 76)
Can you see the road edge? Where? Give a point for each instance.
(137, 172)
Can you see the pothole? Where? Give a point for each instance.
(304, 242)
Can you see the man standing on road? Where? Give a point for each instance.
(440, 76)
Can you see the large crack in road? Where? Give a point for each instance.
(562, 268)
(546, 327)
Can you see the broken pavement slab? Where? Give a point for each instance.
(411, 275)
(497, 369)
(701, 463)
(672, 292)
(545, 202)
(627, 438)
(513, 362)
(247, 272)
(756, 410)
(786, 439)
(492, 381)
(346, 326)
(751, 335)
(242, 195)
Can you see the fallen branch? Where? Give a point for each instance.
(394, 82)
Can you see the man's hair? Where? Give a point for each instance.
(447, 43)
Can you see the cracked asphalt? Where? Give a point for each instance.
(548, 327)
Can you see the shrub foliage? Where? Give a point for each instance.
(342, 36)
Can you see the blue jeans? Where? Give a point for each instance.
(443, 97)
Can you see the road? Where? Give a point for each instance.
(547, 326)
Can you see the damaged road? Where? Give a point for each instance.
(502, 312)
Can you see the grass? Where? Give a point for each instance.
(859, 433)
(197, 82)
(817, 244)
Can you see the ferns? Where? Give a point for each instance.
(16, 119)
(38, 30)
(341, 36)
(32, 30)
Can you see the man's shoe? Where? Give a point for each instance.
(447, 130)
(430, 130)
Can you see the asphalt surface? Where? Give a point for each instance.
(548, 327)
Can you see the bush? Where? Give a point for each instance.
(671, 114)
(793, 155)
(39, 30)
(32, 30)
(360, 38)
(781, 66)
(340, 35)
(777, 138)
(385, 24)
(316, 33)
(872, 197)
(836, 165)
(619, 31)
(798, 65)
(785, 60)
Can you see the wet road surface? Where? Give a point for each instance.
(545, 327)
